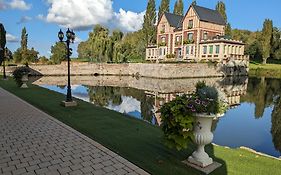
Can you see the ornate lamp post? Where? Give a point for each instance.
(70, 37)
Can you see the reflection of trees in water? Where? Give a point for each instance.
(147, 111)
(276, 125)
(262, 92)
(102, 96)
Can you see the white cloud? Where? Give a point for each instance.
(11, 38)
(129, 104)
(83, 15)
(79, 15)
(19, 4)
(3, 5)
(129, 21)
(24, 19)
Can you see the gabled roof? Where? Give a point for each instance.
(209, 15)
(174, 20)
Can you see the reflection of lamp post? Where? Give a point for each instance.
(70, 37)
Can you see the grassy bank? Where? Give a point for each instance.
(138, 141)
(267, 70)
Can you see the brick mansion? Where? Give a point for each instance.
(197, 36)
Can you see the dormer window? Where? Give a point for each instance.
(190, 24)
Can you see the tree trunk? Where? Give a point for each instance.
(264, 60)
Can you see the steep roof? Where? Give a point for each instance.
(174, 20)
(209, 15)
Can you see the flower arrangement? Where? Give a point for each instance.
(178, 116)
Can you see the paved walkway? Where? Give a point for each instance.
(32, 142)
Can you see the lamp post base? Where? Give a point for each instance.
(69, 103)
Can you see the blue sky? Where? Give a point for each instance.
(43, 18)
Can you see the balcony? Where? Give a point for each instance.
(188, 42)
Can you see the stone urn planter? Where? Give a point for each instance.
(24, 80)
(203, 136)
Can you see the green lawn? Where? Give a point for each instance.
(267, 70)
(138, 141)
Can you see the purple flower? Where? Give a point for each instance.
(190, 106)
(197, 101)
(193, 109)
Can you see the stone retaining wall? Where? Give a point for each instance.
(190, 70)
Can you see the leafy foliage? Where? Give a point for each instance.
(149, 27)
(178, 116)
(23, 54)
(267, 34)
(59, 52)
(164, 7)
(2, 42)
(178, 8)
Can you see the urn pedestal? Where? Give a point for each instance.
(24, 80)
(203, 136)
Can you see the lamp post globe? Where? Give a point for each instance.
(60, 35)
(68, 35)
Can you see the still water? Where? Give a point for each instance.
(254, 119)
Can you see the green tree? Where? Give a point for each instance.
(194, 2)
(31, 55)
(59, 52)
(276, 123)
(221, 8)
(43, 60)
(2, 42)
(178, 8)
(266, 40)
(8, 54)
(276, 44)
(17, 56)
(116, 37)
(84, 50)
(149, 27)
(164, 7)
(24, 37)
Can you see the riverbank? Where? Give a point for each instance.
(267, 70)
(151, 70)
(136, 140)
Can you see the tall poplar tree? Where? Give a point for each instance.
(164, 7)
(24, 37)
(149, 27)
(2, 42)
(178, 8)
(267, 35)
(194, 2)
(220, 7)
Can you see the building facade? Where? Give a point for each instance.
(197, 36)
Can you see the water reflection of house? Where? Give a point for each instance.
(197, 36)
(232, 92)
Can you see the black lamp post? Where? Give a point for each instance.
(70, 37)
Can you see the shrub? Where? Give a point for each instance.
(178, 116)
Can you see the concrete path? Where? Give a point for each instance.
(32, 142)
